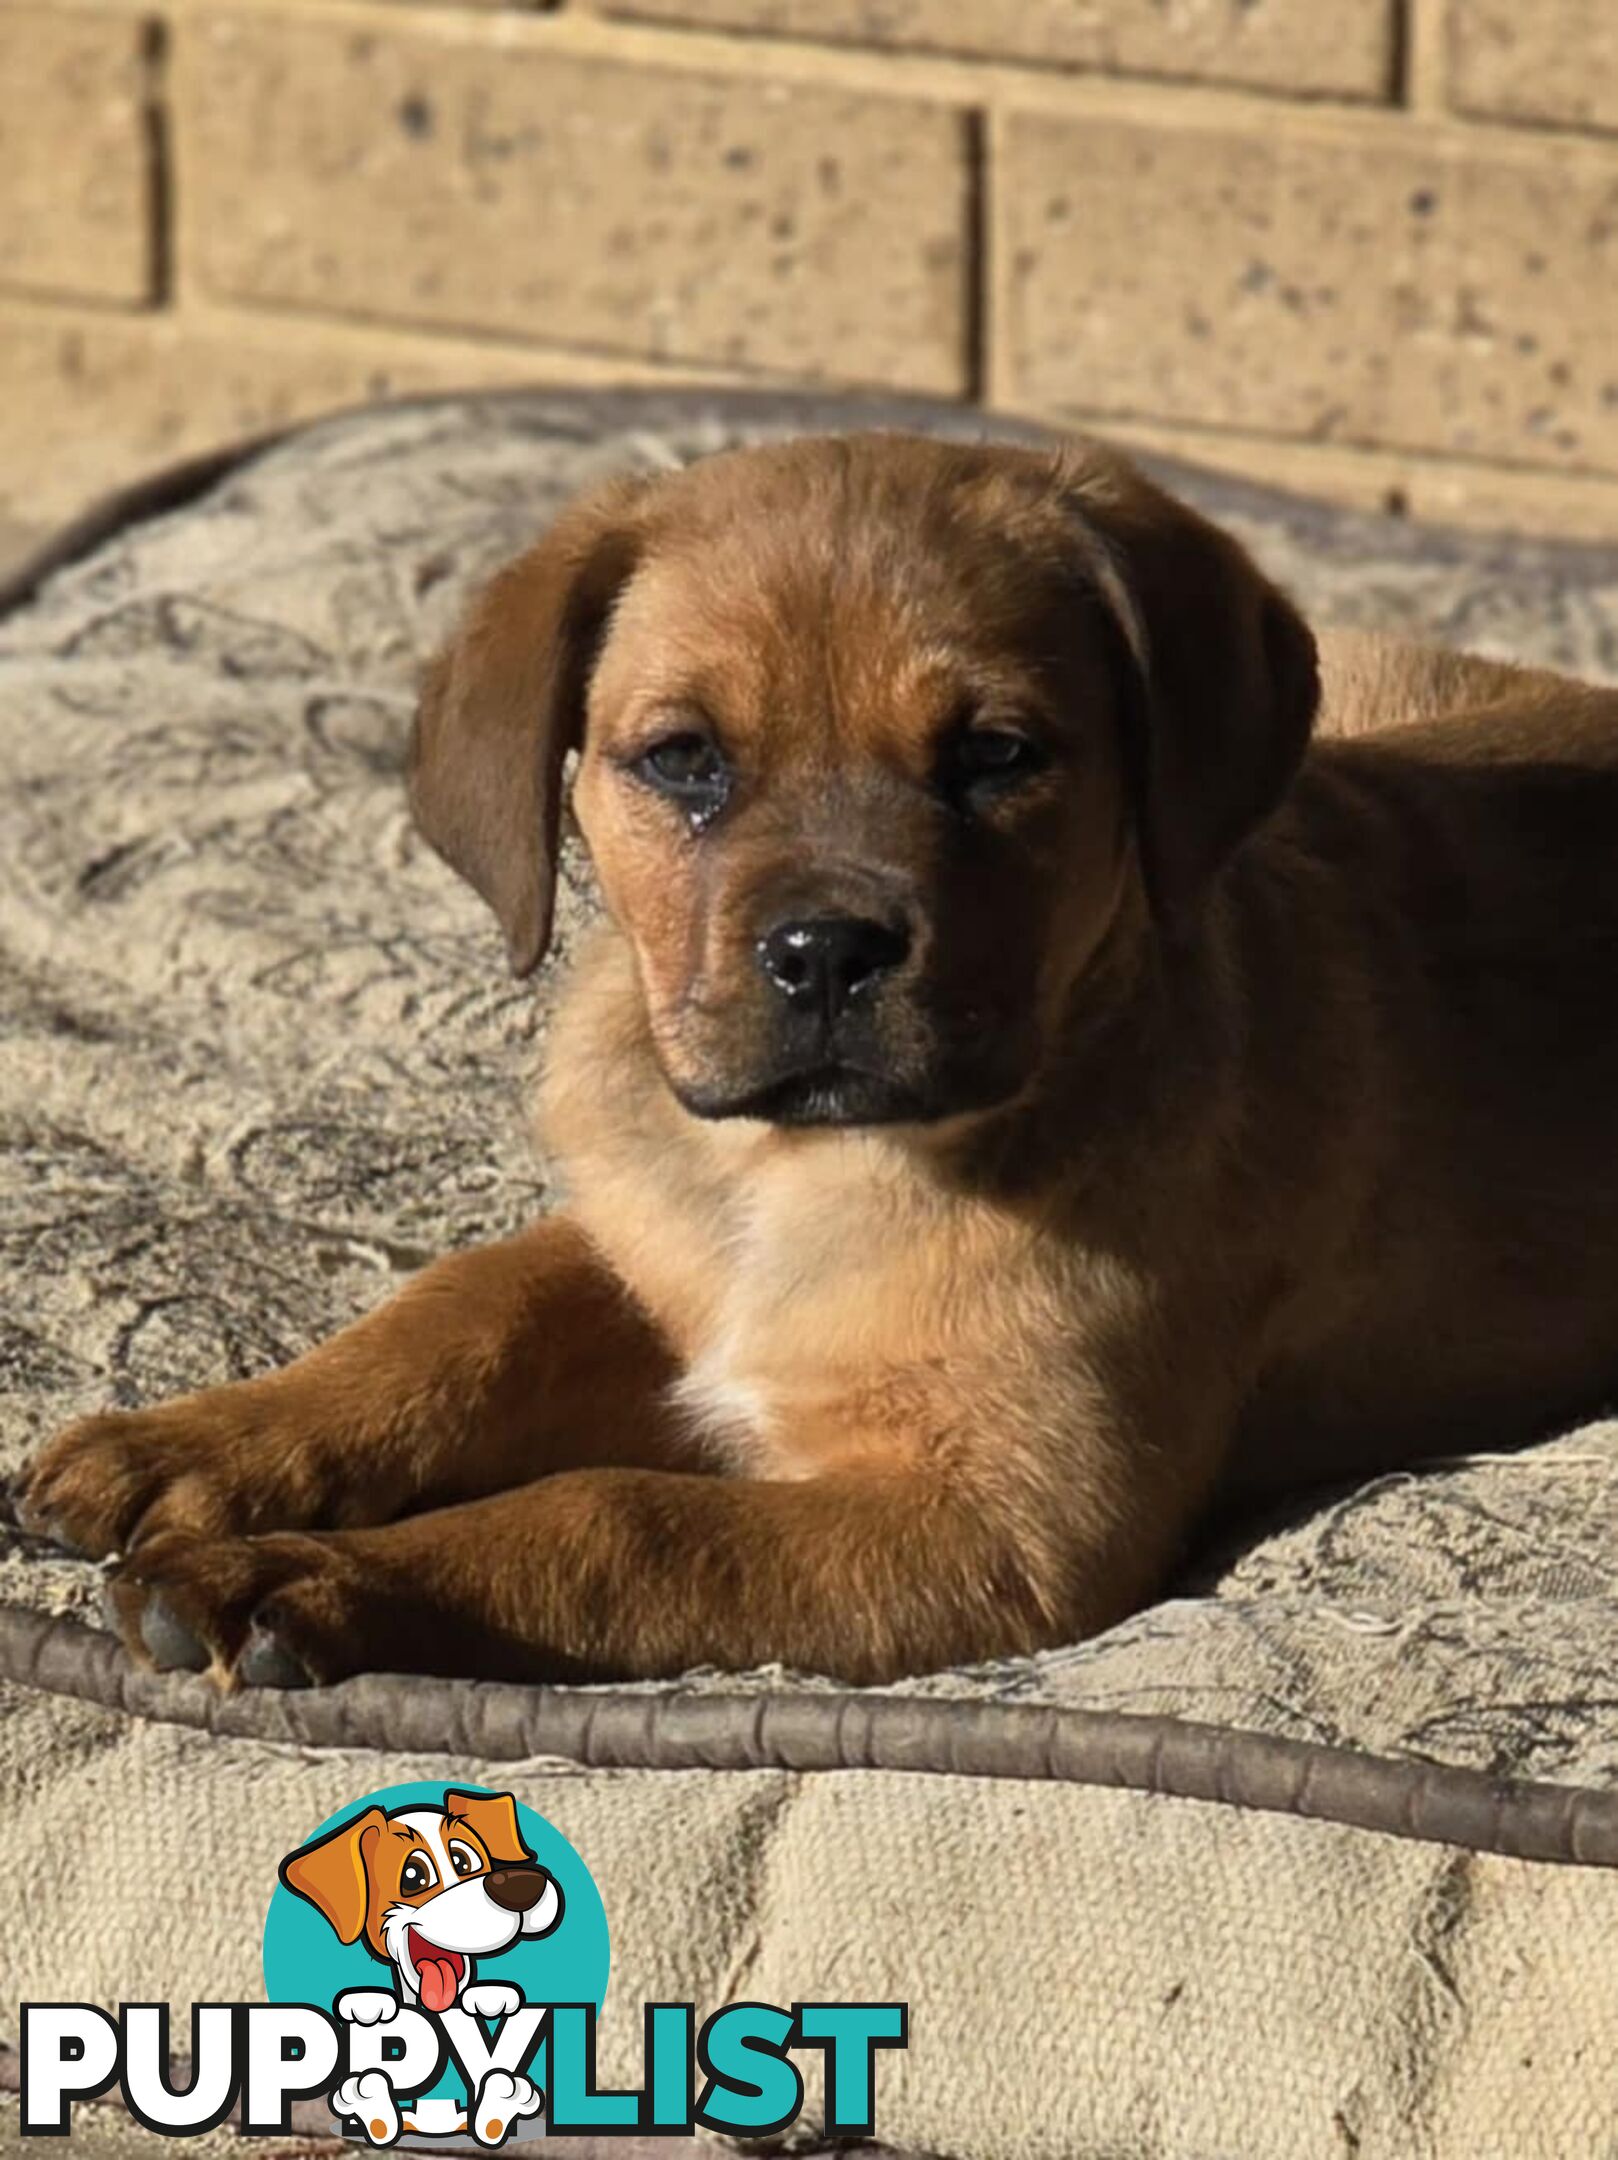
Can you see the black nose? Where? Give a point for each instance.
(822, 963)
(516, 1888)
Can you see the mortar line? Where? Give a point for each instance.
(157, 128)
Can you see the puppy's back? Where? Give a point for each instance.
(1446, 890)
(1369, 682)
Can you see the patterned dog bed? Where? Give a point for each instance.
(1316, 1856)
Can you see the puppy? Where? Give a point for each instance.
(428, 1889)
(1019, 1090)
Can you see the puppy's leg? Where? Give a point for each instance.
(644, 1573)
(490, 1368)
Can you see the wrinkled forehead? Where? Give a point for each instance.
(839, 610)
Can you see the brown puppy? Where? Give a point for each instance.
(1017, 1090)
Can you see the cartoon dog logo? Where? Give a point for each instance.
(429, 1890)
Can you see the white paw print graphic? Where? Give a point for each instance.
(367, 2006)
(491, 1999)
(367, 2098)
(503, 2099)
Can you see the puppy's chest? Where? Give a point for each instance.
(798, 1298)
(815, 1346)
(821, 1293)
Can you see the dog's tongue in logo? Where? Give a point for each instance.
(438, 1972)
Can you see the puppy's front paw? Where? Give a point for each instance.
(491, 1998)
(277, 1611)
(367, 2098)
(203, 1465)
(367, 2006)
(504, 2098)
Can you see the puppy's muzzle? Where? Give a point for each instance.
(821, 964)
(515, 1889)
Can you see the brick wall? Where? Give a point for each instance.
(1368, 247)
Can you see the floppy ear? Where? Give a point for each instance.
(331, 1873)
(503, 704)
(494, 1817)
(1222, 682)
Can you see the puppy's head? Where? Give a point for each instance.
(428, 1888)
(878, 736)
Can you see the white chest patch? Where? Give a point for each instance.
(729, 1412)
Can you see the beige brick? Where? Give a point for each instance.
(1361, 479)
(1269, 44)
(1550, 60)
(466, 177)
(1490, 498)
(17, 543)
(75, 214)
(1347, 282)
(90, 399)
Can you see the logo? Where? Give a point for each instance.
(452, 1903)
(435, 1961)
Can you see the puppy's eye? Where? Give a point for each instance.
(687, 767)
(417, 1874)
(463, 1859)
(985, 752)
(985, 761)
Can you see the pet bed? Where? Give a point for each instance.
(1319, 1855)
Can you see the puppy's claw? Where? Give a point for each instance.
(171, 1645)
(266, 1661)
(20, 1510)
(50, 1532)
(256, 1612)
